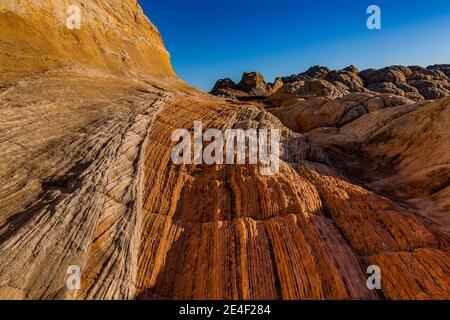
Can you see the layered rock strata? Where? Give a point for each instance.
(88, 181)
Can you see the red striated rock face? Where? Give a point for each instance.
(88, 181)
(306, 233)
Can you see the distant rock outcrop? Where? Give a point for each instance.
(113, 35)
(252, 84)
(415, 83)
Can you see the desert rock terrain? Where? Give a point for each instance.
(86, 118)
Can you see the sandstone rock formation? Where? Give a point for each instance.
(252, 85)
(414, 82)
(327, 108)
(87, 178)
(349, 112)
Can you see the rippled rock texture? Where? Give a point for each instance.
(87, 180)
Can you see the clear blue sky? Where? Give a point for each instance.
(212, 39)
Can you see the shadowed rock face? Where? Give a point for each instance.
(87, 180)
(252, 84)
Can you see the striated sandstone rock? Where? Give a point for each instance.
(348, 78)
(386, 87)
(306, 89)
(251, 85)
(87, 180)
(421, 73)
(389, 74)
(352, 69)
(317, 72)
(305, 115)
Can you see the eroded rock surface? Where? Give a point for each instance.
(414, 82)
(114, 35)
(381, 128)
(87, 180)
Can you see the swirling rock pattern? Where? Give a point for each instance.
(87, 180)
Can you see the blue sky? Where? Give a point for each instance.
(212, 39)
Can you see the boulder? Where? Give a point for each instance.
(385, 87)
(444, 68)
(254, 84)
(306, 89)
(415, 96)
(388, 74)
(349, 79)
(352, 69)
(419, 84)
(432, 93)
(406, 87)
(421, 73)
(318, 72)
